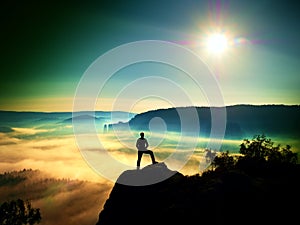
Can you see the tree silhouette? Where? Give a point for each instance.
(262, 148)
(255, 154)
(18, 212)
(223, 161)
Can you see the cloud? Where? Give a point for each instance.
(81, 205)
(5, 139)
(28, 131)
(59, 157)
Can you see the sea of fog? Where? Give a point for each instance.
(48, 141)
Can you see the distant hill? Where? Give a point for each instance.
(243, 121)
(83, 118)
(22, 119)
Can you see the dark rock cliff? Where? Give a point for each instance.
(230, 197)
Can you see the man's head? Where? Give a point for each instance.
(142, 134)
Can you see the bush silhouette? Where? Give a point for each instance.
(18, 212)
(261, 148)
(256, 154)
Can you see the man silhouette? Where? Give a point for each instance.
(142, 145)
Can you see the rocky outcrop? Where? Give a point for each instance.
(228, 197)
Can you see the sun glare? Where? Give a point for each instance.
(217, 43)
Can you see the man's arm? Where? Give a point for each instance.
(146, 143)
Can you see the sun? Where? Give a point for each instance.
(217, 43)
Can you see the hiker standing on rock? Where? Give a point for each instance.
(142, 146)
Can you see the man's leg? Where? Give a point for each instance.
(140, 154)
(152, 156)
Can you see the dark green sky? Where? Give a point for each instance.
(47, 45)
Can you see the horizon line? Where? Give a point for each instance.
(231, 105)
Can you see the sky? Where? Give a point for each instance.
(47, 47)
